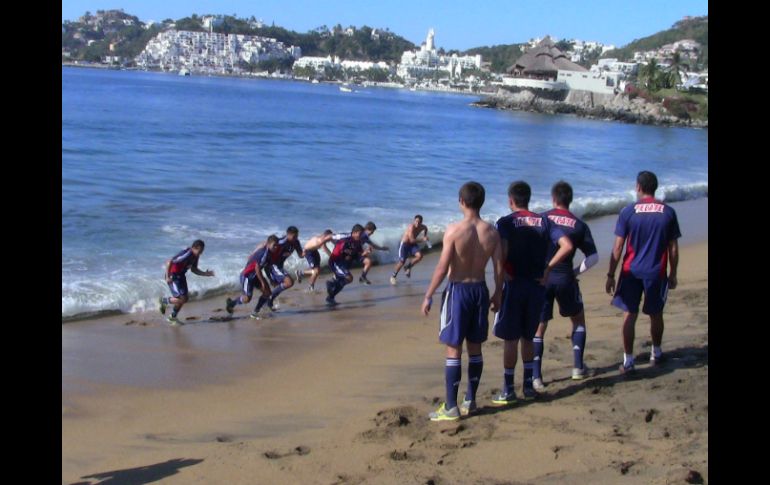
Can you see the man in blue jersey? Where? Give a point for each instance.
(176, 268)
(281, 280)
(347, 249)
(252, 276)
(465, 303)
(562, 284)
(369, 229)
(525, 238)
(649, 229)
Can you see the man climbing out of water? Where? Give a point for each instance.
(176, 268)
(277, 256)
(562, 284)
(252, 276)
(649, 229)
(465, 303)
(347, 248)
(313, 257)
(410, 247)
(525, 239)
(369, 229)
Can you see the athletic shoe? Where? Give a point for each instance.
(330, 301)
(468, 407)
(272, 305)
(363, 279)
(310, 289)
(172, 320)
(654, 360)
(538, 385)
(579, 374)
(505, 398)
(229, 305)
(392, 280)
(162, 305)
(529, 393)
(299, 276)
(444, 414)
(408, 272)
(255, 316)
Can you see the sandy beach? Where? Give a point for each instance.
(341, 396)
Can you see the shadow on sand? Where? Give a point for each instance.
(140, 475)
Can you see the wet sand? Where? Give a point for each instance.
(318, 396)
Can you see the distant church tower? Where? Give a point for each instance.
(429, 40)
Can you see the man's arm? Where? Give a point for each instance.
(588, 247)
(165, 275)
(497, 262)
(565, 247)
(265, 286)
(587, 263)
(197, 271)
(673, 260)
(442, 268)
(378, 248)
(617, 249)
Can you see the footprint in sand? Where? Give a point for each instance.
(299, 451)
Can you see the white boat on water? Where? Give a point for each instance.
(345, 89)
(314, 81)
(184, 72)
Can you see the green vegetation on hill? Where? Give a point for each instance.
(500, 56)
(130, 38)
(696, 28)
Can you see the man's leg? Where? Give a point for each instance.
(398, 267)
(314, 276)
(527, 358)
(656, 332)
(578, 341)
(367, 267)
(629, 322)
(475, 367)
(408, 268)
(510, 356)
(452, 374)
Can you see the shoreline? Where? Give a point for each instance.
(604, 224)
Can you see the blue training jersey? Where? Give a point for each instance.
(527, 236)
(580, 235)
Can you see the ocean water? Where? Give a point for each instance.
(152, 161)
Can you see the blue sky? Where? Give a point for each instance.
(458, 24)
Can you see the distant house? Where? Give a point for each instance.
(543, 62)
(350, 31)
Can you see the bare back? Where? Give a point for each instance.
(314, 243)
(474, 242)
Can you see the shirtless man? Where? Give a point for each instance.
(313, 257)
(465, 302)
(410, 247)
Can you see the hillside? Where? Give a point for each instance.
(696, 28)
(128, 37)
(500, 56)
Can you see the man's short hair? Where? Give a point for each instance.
(357, 228)
(647, 181)
(418, 216)
(292, 230)
(520, 192)
(472, 194)
(562, 193)
(198, 243)
(272, 238)
(328, 231)
(370, 226)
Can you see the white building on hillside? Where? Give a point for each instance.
(427, 61)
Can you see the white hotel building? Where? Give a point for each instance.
(426, 61)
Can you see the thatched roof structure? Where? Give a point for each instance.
(545, 59)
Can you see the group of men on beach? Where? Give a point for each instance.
(265, 265)
(532, 257)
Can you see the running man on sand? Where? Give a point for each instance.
(369, 229)
(347, 248)
(278, 255)
(525, 238)
(562, 284)
(176, 268)
(313, 257)
(252, 276)
(465, 303)
(649, 229)
(410, 246)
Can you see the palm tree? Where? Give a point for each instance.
(650, 74)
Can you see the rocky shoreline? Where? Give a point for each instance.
(588, 105)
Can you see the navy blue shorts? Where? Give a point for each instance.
(405, 250)
(313, 258)
(249, 283)
(340, 269)
(567, 294)
(628, 294)
(520, 310)
(277, 274)
(464, 313)
(178, 285)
